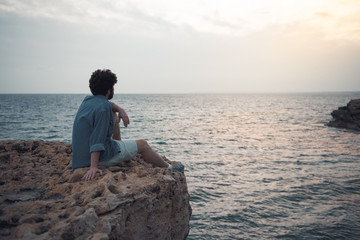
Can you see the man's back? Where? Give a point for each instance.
(92, 131)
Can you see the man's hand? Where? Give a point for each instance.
(91, 173)
(122, 114)
(124, 117)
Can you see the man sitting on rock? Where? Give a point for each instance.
(96, 138)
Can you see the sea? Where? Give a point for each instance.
(258, 166)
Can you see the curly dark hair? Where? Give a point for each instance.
(101, 81)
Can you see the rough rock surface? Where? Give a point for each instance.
(42, 198)
(347, 117)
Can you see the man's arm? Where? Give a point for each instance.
(122, 114)
(94, 167)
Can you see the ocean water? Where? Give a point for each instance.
(257, 166)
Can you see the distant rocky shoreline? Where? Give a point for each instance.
(347, 117)
(41, 197)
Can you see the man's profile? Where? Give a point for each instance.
(96, 138)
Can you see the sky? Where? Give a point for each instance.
(187, 46)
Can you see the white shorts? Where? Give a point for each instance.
(128, 150)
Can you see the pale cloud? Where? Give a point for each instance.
(41, 9)
(96, 13)
(323, 14)
(338, 19)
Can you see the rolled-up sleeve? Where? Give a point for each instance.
(99, 133)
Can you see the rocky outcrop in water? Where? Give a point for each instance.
(347, 117)
(42, 198)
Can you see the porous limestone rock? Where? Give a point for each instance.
(41, 197)
(347, 117)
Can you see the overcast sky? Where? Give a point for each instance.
(187, 46)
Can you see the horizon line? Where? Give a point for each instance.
(190, 93)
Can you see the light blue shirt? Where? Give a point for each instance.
(92, 131)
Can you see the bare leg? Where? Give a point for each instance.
(150, 155)
(116, 134)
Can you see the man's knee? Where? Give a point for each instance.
(142, 145)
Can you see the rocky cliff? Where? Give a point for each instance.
(347, 117)
(42, 198)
